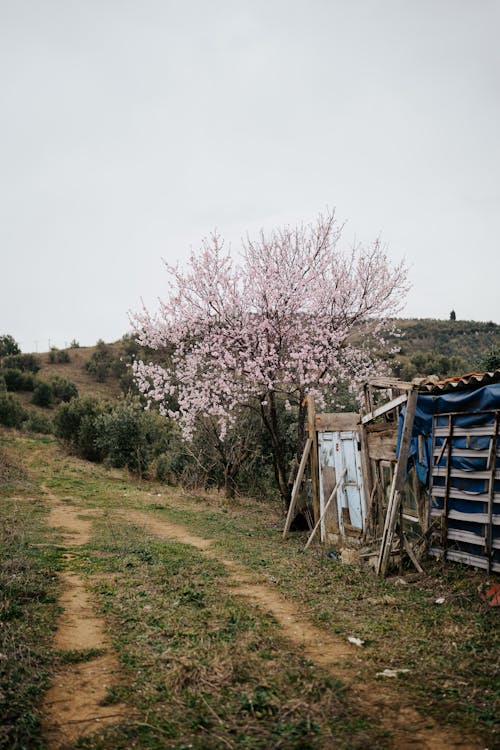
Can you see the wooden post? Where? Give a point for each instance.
(296, 487)
(311, 426)
(368, 483)
(397, 485)
(492, 466)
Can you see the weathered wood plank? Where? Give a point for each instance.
(487, 430)
(331, 518)
(454, 494)
(397, 485)
(296, 487)
(327, 505)
(400, 385)
(311, 426)
(337, 422)
(440, 471)
(384, 408)
(458, 515)
(411, 554)
(381, 443)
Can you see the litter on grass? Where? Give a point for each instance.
(391, 672)
(355, 641)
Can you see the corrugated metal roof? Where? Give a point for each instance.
(469, 380)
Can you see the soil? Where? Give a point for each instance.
(410, 730)
(72, 705)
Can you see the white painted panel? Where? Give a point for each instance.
(340, 450)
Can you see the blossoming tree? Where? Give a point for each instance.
(285, 319)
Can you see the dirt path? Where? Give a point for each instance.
(384, 703)
(72, 705)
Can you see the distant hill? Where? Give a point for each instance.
(442, 347)
(426, 347)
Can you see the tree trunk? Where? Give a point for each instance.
(229, 483)
(271, 423)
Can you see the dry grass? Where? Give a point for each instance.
(75, 372)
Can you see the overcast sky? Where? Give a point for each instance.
(131, 129)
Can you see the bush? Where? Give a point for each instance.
(75, 425)
(17, 380)
(3, 384)
(74, 344)
(59, 356)
(63, 390)
(42, 395)
(491, 360)
(101, 362)
(12, 413)
(170, 466)
(8, 346)
(24, 362)
(37, 422)
(129, 436)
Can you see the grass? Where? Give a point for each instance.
(29, 560)
(206, 669)
(200, 662)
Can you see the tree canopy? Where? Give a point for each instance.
(284, 319)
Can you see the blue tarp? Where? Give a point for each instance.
(464, 402)
(468, 494)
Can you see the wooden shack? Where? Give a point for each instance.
(418, 469)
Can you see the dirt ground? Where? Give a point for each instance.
(73, 704)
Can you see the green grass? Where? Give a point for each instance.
(207, 670)
(28, 610)
(173, 620)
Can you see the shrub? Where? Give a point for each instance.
(491, 360)
(12, 414)
(101, 362)
(163, 470)
(37, 422)
(3, 384)
(17, 380)
(8, 346)
(63, 390)
(170, 466)
(60, 356)
(24, 362)
(42, 395)
(75, 425)
(129, 436)
(74, 344)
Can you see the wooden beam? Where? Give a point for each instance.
(411, 554)
(491, 494)
(384, 408)
(366, 471)
(337, 422)
(311, 425)
(397, 485)
(296, 487)
(334, 492)
(400, 385)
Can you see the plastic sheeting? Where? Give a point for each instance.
(473, 524)
(462, 402)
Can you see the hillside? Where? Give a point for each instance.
(76, 371)
(442, 347)
(426, 347)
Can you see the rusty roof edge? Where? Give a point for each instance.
(432, 385)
